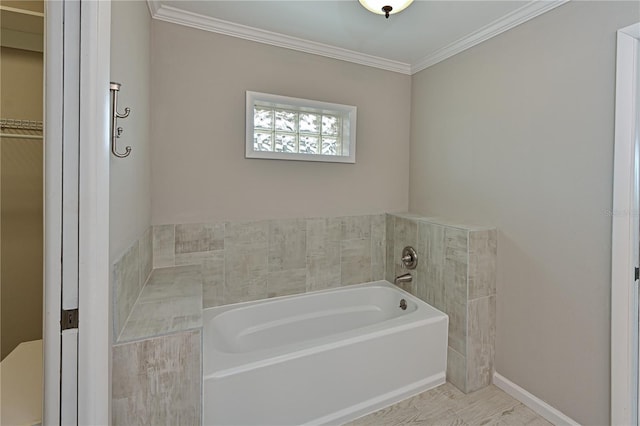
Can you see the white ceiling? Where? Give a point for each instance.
(423, 34)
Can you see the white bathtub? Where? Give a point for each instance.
(319, 358)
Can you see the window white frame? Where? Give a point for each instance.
(348, 114)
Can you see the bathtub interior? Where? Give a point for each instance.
(320, 358)
(305, 317)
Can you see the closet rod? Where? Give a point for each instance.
(14, 136)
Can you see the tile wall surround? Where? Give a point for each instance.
(158, 381)
(456, 273)
(244, 261)
(130, 273)
(171, 301)
(189, 267)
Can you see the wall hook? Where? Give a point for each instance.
(115, 130)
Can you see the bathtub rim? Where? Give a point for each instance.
(233, 363)
(208, 313)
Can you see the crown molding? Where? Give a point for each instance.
(153, 6)
(207, 23)
(521, 15)
(194, 20)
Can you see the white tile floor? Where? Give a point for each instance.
(446, 405)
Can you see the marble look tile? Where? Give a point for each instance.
(163, 246)
(356, 227)
(197, 237)
(435, 261)
(282, 283)
(287, 244)
(455, 245)
(480, 342)
(321, 231)
(158, 318)
(323, 253)
(457, 313)
(355, 262)
(245, 272)
(212, 269)
(455, 286)
(126, 278)
(377, 271)
(483, 251)
(431, 248)
(246, 261)
(456, 369)
(158, 381)
(378, 247)
(323, 272)
(246, 233)
(145, 244)
(177, 281)
(171, 301)
(389, 248)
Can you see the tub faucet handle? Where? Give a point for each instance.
(409, 257)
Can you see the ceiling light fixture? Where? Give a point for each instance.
(385, 7)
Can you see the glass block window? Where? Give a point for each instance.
(280, 127)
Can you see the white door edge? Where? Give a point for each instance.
(53, 62)
(624, 248)
(94, 340)
(94, 302)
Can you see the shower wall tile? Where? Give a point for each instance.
(378, 247)
(213, 280)
(130, 273)
(126, 278)
(356, 227)
(246, 261)
(287, 244)
(145, 244)
(355, 262)
(456, 272)
(283, 283)
(456, 369)
(190, 238)
(164, 246)
(323, 253)
(212, 268)
(431, 249)
(171, 301)
(389, 272)
(483, 251)
(481, 342)
(158, 381)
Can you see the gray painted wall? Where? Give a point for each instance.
(199, 173)
(517, 132)
(130, 195)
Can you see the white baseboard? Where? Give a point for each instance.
(536, 404)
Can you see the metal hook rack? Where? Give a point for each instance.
(115, 130)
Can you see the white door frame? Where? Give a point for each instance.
(94, 344)
(624, 249)
(94, 292)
